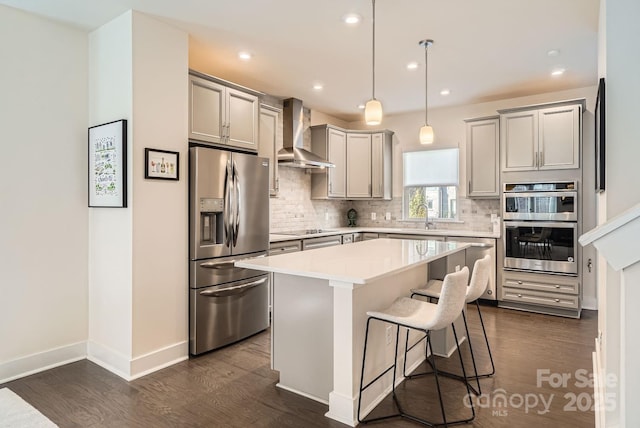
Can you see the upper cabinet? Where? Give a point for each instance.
(362, 162)
(483, 152)
(221, 114)
(358, 165)
(270, 142)
(542, 137)
(381, 165)
(331, 144)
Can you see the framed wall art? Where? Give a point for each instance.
(108, 165)
(600, 114)
(161, 164)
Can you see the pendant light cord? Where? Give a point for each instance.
(373, 65)
(426, 114)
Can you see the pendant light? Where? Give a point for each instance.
(373, 108)
(426, 132)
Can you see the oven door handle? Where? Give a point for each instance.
(508, 224)
(232, 291)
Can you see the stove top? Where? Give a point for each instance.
(305, 232)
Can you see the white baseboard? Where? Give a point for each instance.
(159, 359)
(109, 359)
(41, 361)
(130, 369)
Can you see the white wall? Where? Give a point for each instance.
(110, 229)
(138, 264)
(622, 68)
(160, 227)
(43, 193)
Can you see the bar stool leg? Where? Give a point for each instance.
(473, 358)
(486, 339)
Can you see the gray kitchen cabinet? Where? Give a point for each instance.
(366, 236)
(542, 137)
(543, 293)
(321, 242)
(483, 154)
(284, 247)
(270, 142)
(330, 143)
(221, 114)
(381, 165)
(362, 159)
(358, 165)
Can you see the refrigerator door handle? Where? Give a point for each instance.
(230, 291)
(228, 213)
(236, 225)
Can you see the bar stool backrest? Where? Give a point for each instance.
(452, 298)
(479, 278)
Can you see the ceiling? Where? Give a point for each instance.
(483, 50)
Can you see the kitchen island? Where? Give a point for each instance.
(319, 303)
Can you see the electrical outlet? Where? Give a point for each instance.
(387, 216)
(457, 268)
(389, 334)
(373, 216)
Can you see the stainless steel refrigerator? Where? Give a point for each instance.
(228, 221)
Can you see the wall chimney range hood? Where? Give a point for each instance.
(293, 153)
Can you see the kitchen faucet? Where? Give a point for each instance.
(427, 223)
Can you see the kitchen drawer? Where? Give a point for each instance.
(284, 247)
(522, 295)
(416, 236)
(321, 242)
(548, 283)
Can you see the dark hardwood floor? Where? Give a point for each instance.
(234, 387)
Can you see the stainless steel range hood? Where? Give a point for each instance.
(293, 153)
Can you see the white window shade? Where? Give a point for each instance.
(431, 168)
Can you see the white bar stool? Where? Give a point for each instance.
(422, 316)
(477, 286)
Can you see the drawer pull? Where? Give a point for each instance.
(557, 300)
(520, 282)
(519, 295)
(557, 286)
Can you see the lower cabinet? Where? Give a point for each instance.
(543, 293)
(284, 247)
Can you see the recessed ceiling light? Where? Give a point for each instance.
(361, 106)
(412, 66)
(558, 72)
(553, 52)
(445, 92)
(317, 86)
(351, 19)
(245, 56)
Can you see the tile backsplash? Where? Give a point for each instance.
(293, 209)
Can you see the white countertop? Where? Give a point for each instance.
(357, 263)
(276, 237)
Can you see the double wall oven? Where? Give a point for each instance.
(541, 227)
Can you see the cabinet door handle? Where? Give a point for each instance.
(541, 159)
(557, 286)
(520, 282)
(519, 295)
(469, 186)
(535, 163)
(557, 300)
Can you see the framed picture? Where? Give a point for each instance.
(161, 164)
(600, 133)
(108, 165)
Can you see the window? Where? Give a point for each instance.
(430, 179)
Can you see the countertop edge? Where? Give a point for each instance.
(277, 237)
